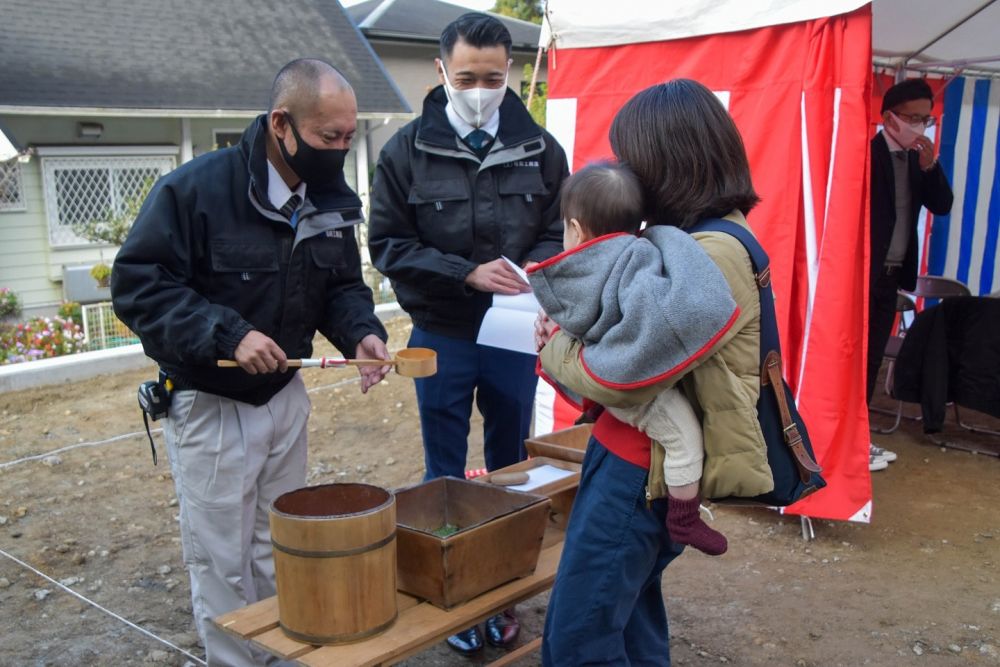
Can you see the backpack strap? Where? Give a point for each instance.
(770, 344)
(762, 275)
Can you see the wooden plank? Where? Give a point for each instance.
(251, 620)
(277, 642)
(425, 624)
(518, 653)
(259, 616)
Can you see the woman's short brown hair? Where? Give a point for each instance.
(684, 147)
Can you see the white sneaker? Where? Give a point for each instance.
(881, 453)
(875, 463)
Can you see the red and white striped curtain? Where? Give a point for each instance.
(800, 95)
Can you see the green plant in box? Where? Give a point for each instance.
(445, 530)
(101, 272)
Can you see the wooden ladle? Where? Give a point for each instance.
(413, 362)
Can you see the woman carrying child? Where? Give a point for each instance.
(606, 606)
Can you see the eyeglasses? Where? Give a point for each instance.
(913, 119)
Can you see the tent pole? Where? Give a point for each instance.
(956, 63)
(534, 77)
(807, 528)
(945, 33)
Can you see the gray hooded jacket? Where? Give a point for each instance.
(643, 307)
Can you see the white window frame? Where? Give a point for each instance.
(15, 174)
(80, 158)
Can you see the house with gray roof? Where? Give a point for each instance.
(405, 36)
(97, 98)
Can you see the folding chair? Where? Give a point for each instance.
(938, 287)
(904, 304)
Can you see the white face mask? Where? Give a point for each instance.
(476, 105)
(906, 133)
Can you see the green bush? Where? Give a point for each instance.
(10, 304)
(71, 310)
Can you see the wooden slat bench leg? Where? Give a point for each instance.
(518, 653)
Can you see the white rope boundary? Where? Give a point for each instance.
(98, 443)
(126, 436)
(106, 611)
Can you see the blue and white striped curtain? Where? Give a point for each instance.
(963, 245)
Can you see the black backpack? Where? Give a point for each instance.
(789, 452)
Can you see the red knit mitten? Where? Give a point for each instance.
(687, 527)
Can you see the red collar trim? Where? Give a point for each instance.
(673, 371)
(566, 253)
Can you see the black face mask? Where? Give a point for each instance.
(322, 169)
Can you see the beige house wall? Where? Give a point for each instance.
(24, 244)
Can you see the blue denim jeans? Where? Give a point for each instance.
(503, 386)
(606, 607)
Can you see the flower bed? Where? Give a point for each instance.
(40, 338)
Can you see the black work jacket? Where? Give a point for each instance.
(438, 211)
(929, 189)
(209, 259)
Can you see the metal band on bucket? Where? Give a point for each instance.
(338, 639)
(292, 551)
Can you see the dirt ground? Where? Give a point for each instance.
(920, 585)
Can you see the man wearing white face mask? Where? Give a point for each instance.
(472, 180)
(905, 176)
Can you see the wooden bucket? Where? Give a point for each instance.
(335, 562)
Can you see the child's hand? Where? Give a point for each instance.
(544, 328)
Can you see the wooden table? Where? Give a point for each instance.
(418, 626)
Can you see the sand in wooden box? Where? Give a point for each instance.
(335, 562)
(457, 539)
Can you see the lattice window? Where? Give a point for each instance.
(11, 190)
(86, 189)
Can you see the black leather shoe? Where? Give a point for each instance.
(502, 629)
(468, 641)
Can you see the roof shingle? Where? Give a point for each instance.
(177, 54)
(423, 20)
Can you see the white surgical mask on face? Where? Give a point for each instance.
(476, 105)
(906, 133)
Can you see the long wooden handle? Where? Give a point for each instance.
(302, 363)
(414, 362)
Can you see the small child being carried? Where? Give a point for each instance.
(620, 293)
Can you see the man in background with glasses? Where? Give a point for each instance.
(905, 176)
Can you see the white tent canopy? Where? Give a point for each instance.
(918, 34)
(938, 36)
(586, 23)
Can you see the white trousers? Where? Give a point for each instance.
(229, 460)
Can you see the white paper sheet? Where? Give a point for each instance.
(521, 273)
(509, 324)
(541, 476)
